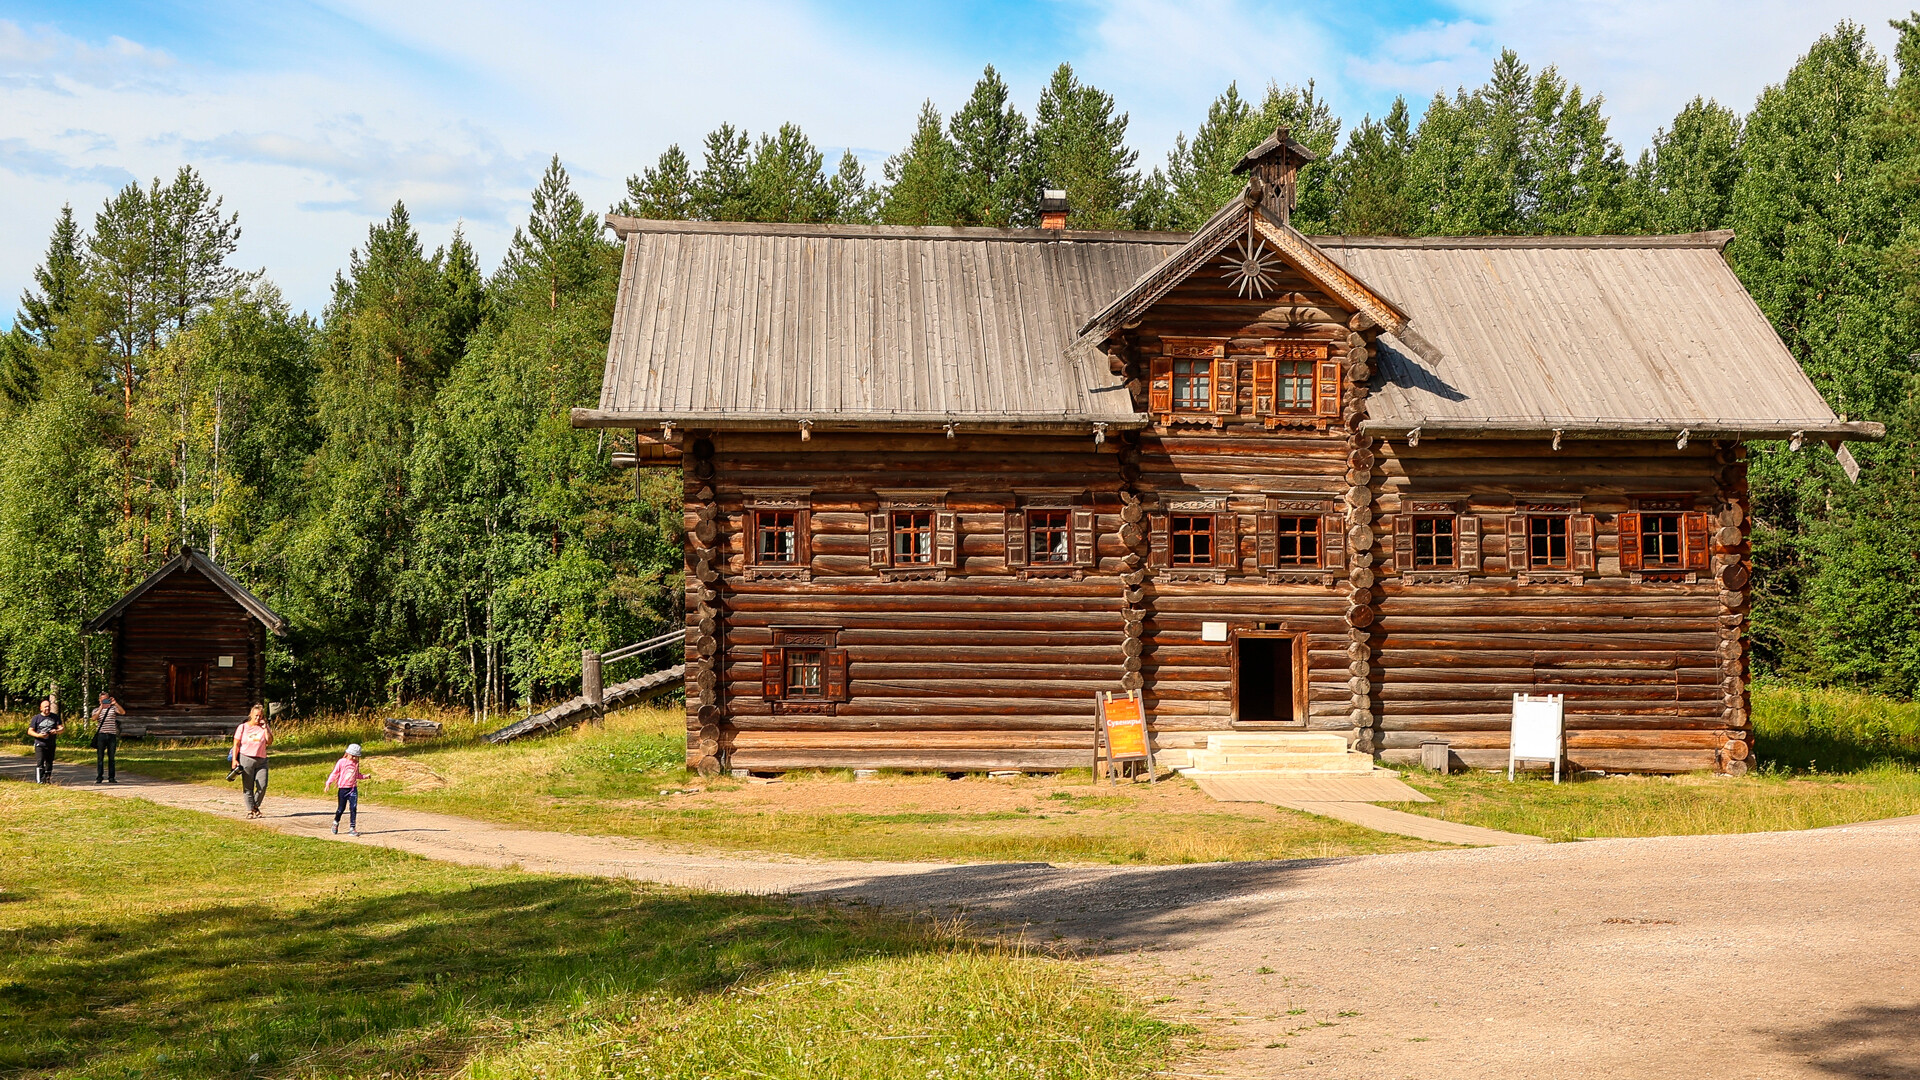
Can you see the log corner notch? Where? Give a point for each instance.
(704, 563)
(1732, 570)
(1362, 498)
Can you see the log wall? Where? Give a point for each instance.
(186, 617)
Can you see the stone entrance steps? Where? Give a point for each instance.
(1278, 753)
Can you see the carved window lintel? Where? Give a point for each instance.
(1301, 577)
(776, 573)
(1663, 577)
(1548, 577)
(1431, 577)
(1193, 577)
(912, 573)
(1035, 573)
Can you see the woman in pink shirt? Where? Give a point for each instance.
(249, 756)
(346, 776)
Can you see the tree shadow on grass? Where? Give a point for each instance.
(408, 981)
(1868, 1042)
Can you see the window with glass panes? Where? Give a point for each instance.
(775, 541)
(1049, 536)
(1293, 384)
(1433, 542)
(806, 671)
(1547, 542)
(912, 537)
(1297, 541)
(1193, 384)
(1660, 541)
(1190, 540)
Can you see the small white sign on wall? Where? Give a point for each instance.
(1213, 631)
(226, 661)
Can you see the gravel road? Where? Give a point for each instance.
(1765, 955)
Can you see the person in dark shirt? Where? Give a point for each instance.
(106, 738)
(45, 728)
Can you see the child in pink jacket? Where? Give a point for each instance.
(346, 776)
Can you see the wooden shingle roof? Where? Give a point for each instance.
(187, 560)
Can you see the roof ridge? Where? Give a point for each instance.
(1715, 239)
(625, 226)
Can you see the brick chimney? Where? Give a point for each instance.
(1053, 209)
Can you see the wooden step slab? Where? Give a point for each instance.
(1382, 786)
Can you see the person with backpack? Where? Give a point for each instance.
(346, 776)
(249, 757)
(106, 738)
(45, 727)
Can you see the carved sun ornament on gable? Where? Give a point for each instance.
(1255, 269)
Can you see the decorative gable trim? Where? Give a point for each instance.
(1330, 275)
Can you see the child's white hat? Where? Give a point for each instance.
(353, 749)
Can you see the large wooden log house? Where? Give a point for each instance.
(944, 485)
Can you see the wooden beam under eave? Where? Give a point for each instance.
(1742, 430)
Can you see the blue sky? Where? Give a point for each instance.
(312, 118)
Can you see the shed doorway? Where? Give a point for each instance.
(1269, 679)
(186, 682)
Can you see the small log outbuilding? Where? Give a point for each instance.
(943, 485)
(189, 649)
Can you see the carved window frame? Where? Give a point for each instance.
(1223, 384)
(1224, 537)
(945, 534)
(790, 643)
(1695, 539)
(1081, 528)
(1465, 529)
(1324, 385)
(799, 503)
(1581, 532)
(1332, 537)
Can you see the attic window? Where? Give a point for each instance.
(1192, 385)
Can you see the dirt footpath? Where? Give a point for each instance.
(1768, 955)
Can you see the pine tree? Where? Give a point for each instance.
(557, 251)
(923, 186)
(1199, 176)
(1684, 181)
(721, 191)
(192, 243)
(786, 180)
(991, 156)
(854, 200)
(664, 192)
(45, 308)
(1369, 181)
(1080, 145)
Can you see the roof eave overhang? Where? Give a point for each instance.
(1740, 430)
(1037, 423)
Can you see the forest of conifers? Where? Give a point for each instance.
(397, 477)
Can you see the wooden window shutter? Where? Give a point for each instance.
(1226, 541)
(1226, 387)
(835, 662)
(773, 674)
(1016, 538)
(1326, 396)
(1083, 538)
(1263, 386)
(1160, 388)
(946, 538)
(879, 539)
(1629, 540)
(1580, 542)
(1267, 540)
(802, 538)
(1333, 542)
(1468, 528)
(1403, 541)
(1519, 554)
(1159, 546)
(1699, 530)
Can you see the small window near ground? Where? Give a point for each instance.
(1049, 536)
(1433, 543)
(1547, 542)
(1191, 540)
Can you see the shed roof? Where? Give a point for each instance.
(766, 324)
(752, 325)
(189, 559)
(1583, 335)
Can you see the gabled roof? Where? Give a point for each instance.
(1614, 335)
(1227, 225)
(751, 325)
(189, 559)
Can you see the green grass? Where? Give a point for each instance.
(149, 942)
(613, 780)
(1824, 757)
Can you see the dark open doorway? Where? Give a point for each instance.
(1268, 680)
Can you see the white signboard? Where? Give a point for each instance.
(1538, 731)
(1213, 631)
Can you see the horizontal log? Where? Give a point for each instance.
(926, 761)
(910, 741)
(1605, 739)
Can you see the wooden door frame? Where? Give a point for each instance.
(1299, 639)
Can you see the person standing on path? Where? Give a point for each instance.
(249, 755)
(45, 727)
(106, 738)
(346, 776)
